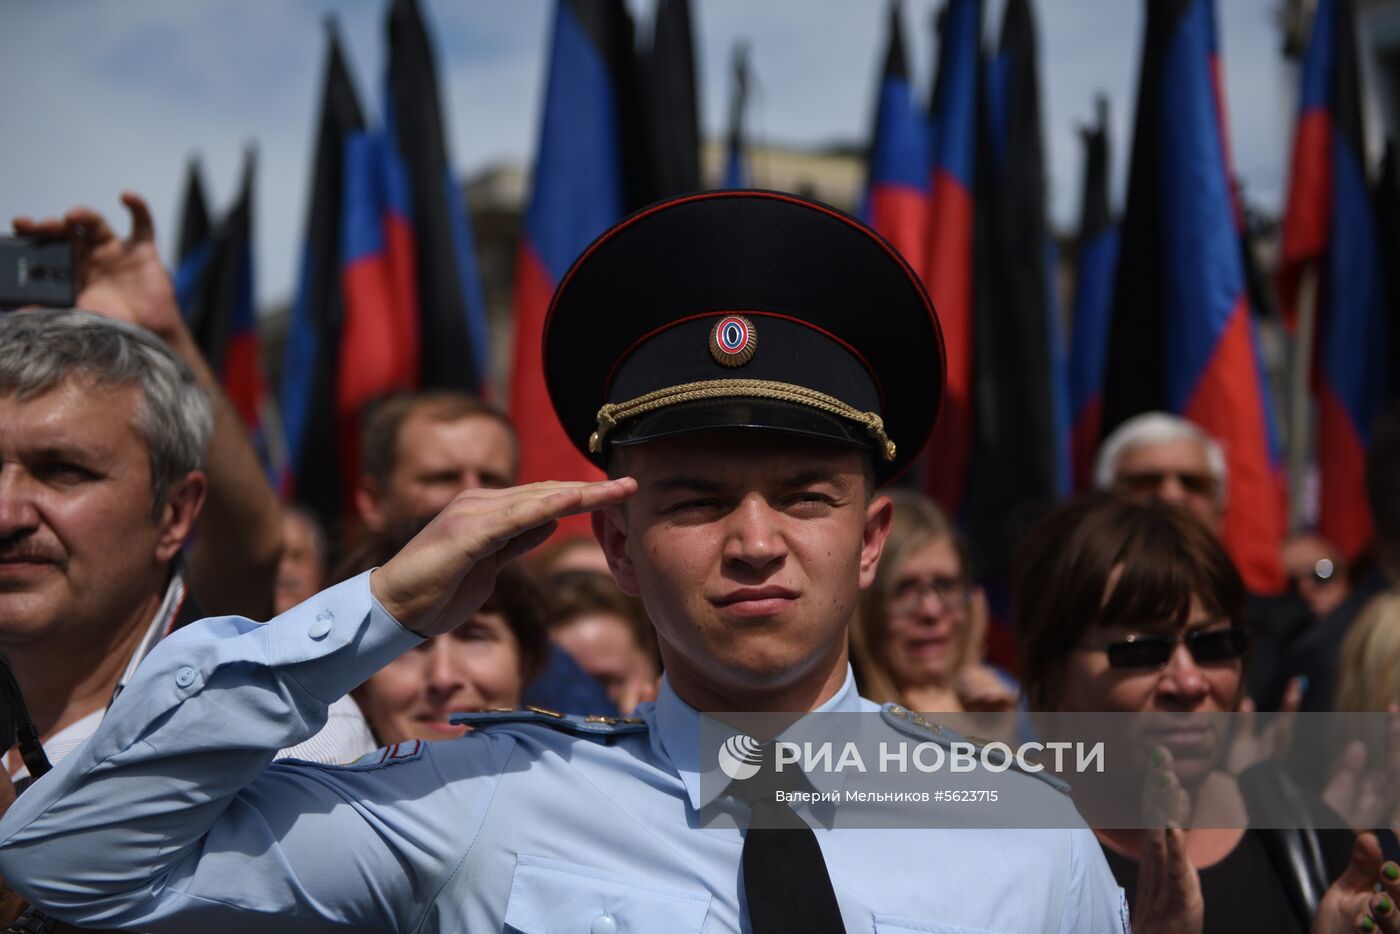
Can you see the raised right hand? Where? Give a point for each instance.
(447, 571)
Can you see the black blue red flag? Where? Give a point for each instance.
(1020, 425)
(671, 102)
(896, 195)
(318, 477)
(948, 270)
(1181, 336)
(737, 172)
(194, 239)
(577, 194)
(454, 347)
(1387, 208)
(1093, 301)
(1330, 225)
(218, 306)
(379, 353)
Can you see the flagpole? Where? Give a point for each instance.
(1300, 379)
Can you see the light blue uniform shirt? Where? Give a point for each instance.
(174, 817)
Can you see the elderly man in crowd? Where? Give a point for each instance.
(1161, 456)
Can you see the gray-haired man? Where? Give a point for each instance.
(103, 432)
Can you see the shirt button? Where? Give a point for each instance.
(604, 924)
(321, 627)
(185, 676)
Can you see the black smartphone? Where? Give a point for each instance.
(36, 272)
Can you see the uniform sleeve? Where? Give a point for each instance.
(1094, 901)
(170, 819)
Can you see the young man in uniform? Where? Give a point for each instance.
(748, 366)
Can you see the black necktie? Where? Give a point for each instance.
(786, 885)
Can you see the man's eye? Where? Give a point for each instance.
(65, 472)
(691, 505)
(810, 499)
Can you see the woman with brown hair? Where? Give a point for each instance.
(1136, 608)
(484, 663)
(918, 632)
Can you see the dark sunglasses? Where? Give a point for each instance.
(1207, 647)
(1150, 481)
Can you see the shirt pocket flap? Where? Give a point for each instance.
(889, 924)
(548, 896)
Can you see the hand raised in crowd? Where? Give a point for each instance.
(1168, 898)
(122, 279)
(447, 571)
(980, 689)
(1368, 797)
(1251, 743)
(1364, 898)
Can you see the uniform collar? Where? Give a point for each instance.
(676, 729)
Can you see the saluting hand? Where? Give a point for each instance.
(447, 571)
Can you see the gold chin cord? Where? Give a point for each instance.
(613, 414)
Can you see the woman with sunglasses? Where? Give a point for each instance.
(1135, 607)
(917, 636)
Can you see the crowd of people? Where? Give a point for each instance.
(132, 504)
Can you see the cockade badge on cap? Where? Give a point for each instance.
(733, 341)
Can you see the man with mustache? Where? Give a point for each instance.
(747, 366)
(114, 441)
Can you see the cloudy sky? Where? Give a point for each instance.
(101, 96)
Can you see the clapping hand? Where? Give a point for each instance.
(1365, 898)
(1168, 899)
(1368, 797)
(1251, 744)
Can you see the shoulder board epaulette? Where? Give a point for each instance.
(920, 727)
(592, 725)
(383, 757)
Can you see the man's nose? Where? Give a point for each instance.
(1170, 489)
(18, 512)
(755, 536)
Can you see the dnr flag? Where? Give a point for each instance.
(1181, 337)
(1330, 224)
(948, 271)
(896, 197)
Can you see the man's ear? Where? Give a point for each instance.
(178, 514)
(369, 503)
(878, 516)
(610, 528)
